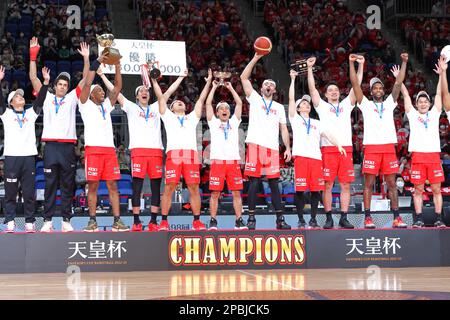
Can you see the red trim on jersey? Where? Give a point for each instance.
(379, 148)
(78, 91)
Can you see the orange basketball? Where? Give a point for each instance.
(262, 46)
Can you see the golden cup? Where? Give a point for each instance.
(106, 40)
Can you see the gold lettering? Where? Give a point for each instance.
(192, 250)
(209, 255)
(245, 249)
(299, 250)
(286, 249)
(227, 250)
(174, 251)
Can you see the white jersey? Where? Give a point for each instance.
(379, 127)
(264, 121)
(20, 134)
(306, 136)
(60, 117)
(337, 118)
(224, 139)
(424, 131)
(98, 131)
(144, 125)
(181, 131)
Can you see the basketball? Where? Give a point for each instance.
(263, 46)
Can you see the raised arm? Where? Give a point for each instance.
(84, 51)
(109, 85)
(39, 102)
(2, 99)
(356, 86)
(201, 99)
(438, 97)
(237, 100)
(245, 76)
(407, 99)
(401, 77)
(444, 84)
(86, 88)
(174, 86)
(313, 92)
(360, 75)
(34, 52)
(162, 101)
(209, 100)
(114, 93)
(292, 110)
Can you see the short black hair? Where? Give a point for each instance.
(331, 83)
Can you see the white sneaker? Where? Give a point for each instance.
(66, 226)
(47, 227)
(29, 228)
(10, 227)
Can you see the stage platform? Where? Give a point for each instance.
(223, 250)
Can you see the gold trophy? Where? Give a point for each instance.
(221, 75)
(106, 40)
(301, 67)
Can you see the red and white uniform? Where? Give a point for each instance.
(424, 143)
(60, 117)
(144, 127)
(182, 157)
(100, 153)
(263, 137)
(380, 136)
(224, 154)
(338, 119)
(307, 154)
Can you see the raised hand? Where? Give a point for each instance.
(2, 72)
(46, 74)
(186, 72)
(311, 62)
(404, 56)
(353, 57)
(442, 64)
(34, 42)
(228, 85)
(360, 59)
(395, 70)
(438, 69)
(293, 74)
(215, 84)
(209, 78)
(84, 49)
(103, 57)
(100, 71)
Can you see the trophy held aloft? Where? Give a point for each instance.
(106, 40)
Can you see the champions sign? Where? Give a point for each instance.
(168, 56)
(237, 250)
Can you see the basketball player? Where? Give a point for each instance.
(144, 125)
(59, 135)
(335, 113)
(224, 154)
(20, 151)
(100, 154)
(380, 137)
(307, 133)
(424, 143)
(266, 119)
(182, 157)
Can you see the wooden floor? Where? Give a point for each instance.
(411, 283)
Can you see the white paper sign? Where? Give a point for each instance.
(169, 56)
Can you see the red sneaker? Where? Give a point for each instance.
(368, 223)
(163, 226)
(198, 225)
(398, 223)
(136, 227)
(152, 227)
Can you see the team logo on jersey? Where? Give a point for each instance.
(271, 111)
(214, 181)
(92, 171)
(393, 164)
(310, 125)
(194, 174)
(368, 164)
(238, 180)
(151, 115)
(326, 172)
(300, 182)
(438, 173)
(339, 110)
(170, 174)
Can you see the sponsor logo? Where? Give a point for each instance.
(373, 249)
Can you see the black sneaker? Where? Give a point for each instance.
(281, 224)
(302, 224)
(345, 224)
(439, 224)
(251, 223)
(240, 224)
(329, 223)
(212, 224)
(313, 224)
(418, 224)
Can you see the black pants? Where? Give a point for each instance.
(59, 170)
(20, 170)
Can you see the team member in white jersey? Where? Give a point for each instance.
(59, 135)
(182, 158)
(100, 154)
(380, 137)
(144, 125)
(224, 154)
(266, 119)
(336, 114)
(20, 151)
(306, 151)
(424, 143)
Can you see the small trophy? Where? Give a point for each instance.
(301, 67)
(221, 75)
(106, 40)
(152, 66)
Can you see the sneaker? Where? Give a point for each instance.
(302, 224)
(398, 223)
(47, 227)
(281, 224)
(66, 226)
(10, 227)
(329, 223)
(368, 223)
(251, 223)
(29, 227)
(240, 224)
(136, 227)
(345, 224)
(439, 224)
(119, 226)
(163, 226)
(152, 227)
(198, 225)
(313, 224)
(212, 224)
(91, 227)
(418, 224)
